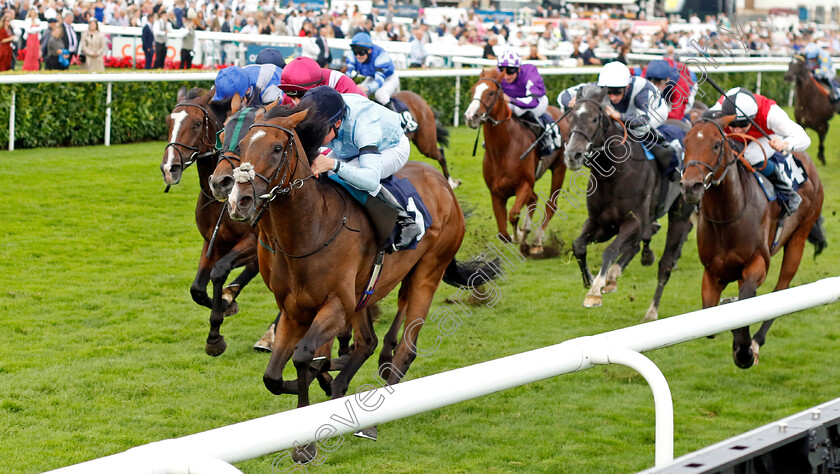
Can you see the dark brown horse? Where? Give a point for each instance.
(506, 175)
(429, 132)
(811, 107)
(737, 224)
(322, 254)
(192, 135)
(622, 199)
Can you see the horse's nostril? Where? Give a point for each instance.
(226, 182)
(174, 169)
(245, 202)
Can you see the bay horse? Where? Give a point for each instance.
(192, 135)
(429, 132)
(621, 199)
(737, 225)
(322, 254)
(505, 174)
(811, 107)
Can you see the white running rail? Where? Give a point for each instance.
(211, 451)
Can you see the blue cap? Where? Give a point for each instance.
(271, 56)
(362, 39)
(229, 81)
(658, 69)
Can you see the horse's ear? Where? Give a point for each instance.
(235, 103)
(272, 105)
(695, 115)
(182, 94)
(725, 120)
(298, 117)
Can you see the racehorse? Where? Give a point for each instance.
(322, 255)
(429, 131)
(812, 107)
(505, 174)
(228, 244)
(622, 199)
(737, 225)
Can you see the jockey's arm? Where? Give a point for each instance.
(366, 176)
(564, 99)
(651, 104)
(791, 132)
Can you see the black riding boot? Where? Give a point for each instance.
(784, 186)
(408, 229)
(663, 155)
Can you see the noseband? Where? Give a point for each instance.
(195, 155)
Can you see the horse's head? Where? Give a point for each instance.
(191, 133)
(487, 95)
(272, 164)
(797, 69)
(706, 151)
(588, 125)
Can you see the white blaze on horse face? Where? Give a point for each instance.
(699, 135)
(472, 110)
(256, 136)
(177, 119)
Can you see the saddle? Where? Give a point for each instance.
(407, 121)
(382, 217)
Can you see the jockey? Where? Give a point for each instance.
(525, 94)
(819, 62)
(785, 135)
(243, 81)
(366, 144)
(637, 103)
(304, 73)
(375, 64)
(674, 88)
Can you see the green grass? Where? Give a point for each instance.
(103, 347)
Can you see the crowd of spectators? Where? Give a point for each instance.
(583, 33)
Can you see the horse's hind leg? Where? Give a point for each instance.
(821, 132)
(629, 251)
(389, 342)
(679, 225)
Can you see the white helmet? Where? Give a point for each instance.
(614, 74)
(738, 102)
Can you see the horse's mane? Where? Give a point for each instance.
(311, 130)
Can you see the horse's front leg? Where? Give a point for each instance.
(242, 253)
(579, 249)
(499, 212)
(525, 196)
(558, 173)
(198, 289)
(232, 291)
(287, 333)
(328, 323)
(679, 225)
(744, 349)
(821, 132)
(628, 234)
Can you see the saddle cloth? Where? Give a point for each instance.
(405, 193)
(407, 121)
(792, 168)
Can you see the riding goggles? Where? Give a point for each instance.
(509, 70)
(615, 90)
(742, 123)
(296, 94)
(359, 50)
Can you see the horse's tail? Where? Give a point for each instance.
(442, 132)
(470, 274)
(817, 237)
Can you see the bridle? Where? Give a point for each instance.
(280, 189)
(591, 151)
(485, 117)
(195, 155)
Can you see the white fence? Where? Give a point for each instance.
(705, 66)
(211, 451)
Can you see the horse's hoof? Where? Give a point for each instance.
(367, 433)
(305, 454)
(592, 301)
(754, 346)
(648, 257)
(651, 315)
(536, 250)
(215, 348)
(610, 287)
(266, 342)
(232, 308)
(730, 299)
(454, 183)
(744, 358)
